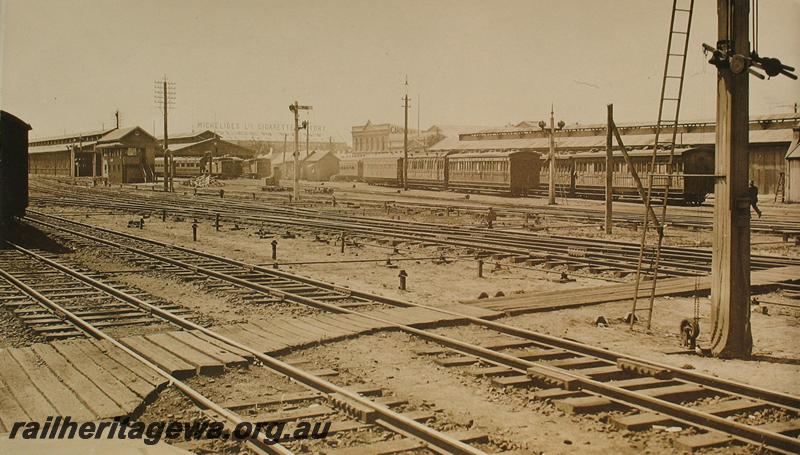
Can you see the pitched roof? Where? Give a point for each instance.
(118, 134)
(317, 155)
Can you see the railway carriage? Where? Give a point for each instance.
(185, 166)
(383, 170)
(511, 172)
(350, 170)
(226, 167)
(583, 174)
(427, 170)
(257, 168)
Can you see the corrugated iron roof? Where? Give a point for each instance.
(33, 149)
(76, 136)
(637, 140)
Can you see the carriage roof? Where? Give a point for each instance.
(638, 153)
(491, 154)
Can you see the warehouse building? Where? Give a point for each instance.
(205, 143)
(318, 166)
(117, 155)
(770, 137)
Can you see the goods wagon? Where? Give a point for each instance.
(13, 167)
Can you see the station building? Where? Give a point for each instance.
(117, 155)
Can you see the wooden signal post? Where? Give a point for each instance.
(730, 264)
(296, 108)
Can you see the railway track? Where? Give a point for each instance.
(575, 254)
(578, 376)
(629, 216)
(355, 409)
(103, 310)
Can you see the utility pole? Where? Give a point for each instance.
(730, 260)
(296, 108)
(551, 186)
(165, 97)
(307, 129)
(609, 169)
(405, 144)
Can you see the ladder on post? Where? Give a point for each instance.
(668, 113)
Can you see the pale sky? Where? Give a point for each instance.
(67, 65)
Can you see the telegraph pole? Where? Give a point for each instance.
(551, 186)
(730, 262)
(165, 96)
(296, 108)
(609, 169)
(307, 129)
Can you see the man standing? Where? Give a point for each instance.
(490, 217)
(752, 194)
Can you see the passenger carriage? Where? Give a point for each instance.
(350, 170)
(511, 172)
(427, 170)
(383, 170)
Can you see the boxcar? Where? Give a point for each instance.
(350, 170)
(511, 172)
(382, 170)
(427, 170)
(227, 167)
(13, 167)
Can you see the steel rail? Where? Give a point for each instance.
(410, 426)
(680, 413)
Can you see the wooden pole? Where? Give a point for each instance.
(405, 144)
(609, 170)
(167, 157)
(296, 167)
(730, 260)
(634, 174)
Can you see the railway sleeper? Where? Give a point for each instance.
(716, 439)
(644, 421)
(673, 393)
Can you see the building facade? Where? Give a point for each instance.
(117, 155)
